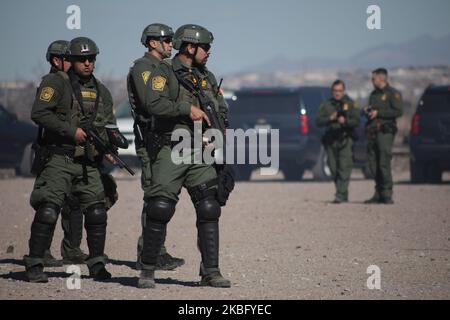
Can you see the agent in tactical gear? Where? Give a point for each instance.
(157, 38)
(176, 107)
(385, 106)
(71, 215)
(68, 162)
(340, 116)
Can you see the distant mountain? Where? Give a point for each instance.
(419, 52)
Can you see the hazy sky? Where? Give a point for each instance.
(247, 32)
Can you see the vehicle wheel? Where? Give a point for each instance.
(417, 172)
(293, 173)
(321, 171)
(366, 172)
(27, 161)
(243, 173)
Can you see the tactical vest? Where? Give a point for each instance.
(183, 94)
(74, 114)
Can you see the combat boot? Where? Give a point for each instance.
(168, 262)
(51, 261)
(374, 199)
(338, 200)
(387, 200)
(36, 274)
(99, 272)
(213, 278)
(146, 279)
(77, 258)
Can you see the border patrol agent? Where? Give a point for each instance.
(157, 38)
(69, 163)
(340, 116)
(71, 215)
(174, 107)
(385, 106)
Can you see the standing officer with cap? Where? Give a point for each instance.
(175, 107)
(71, 215)
(157, 37)
(68, 162)
(385, 106)
(340, 117)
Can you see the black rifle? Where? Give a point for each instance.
(225, 173)
(105, 149)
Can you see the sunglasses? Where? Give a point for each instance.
(205, 46)
(84, 58)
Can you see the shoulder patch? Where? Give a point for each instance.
(145, 76)
(47, 94)
(158, 83)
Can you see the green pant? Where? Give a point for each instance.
(379, 151)
(72, 225)
(62, 176)
(168, 177)
(146, 181)
(340, 161)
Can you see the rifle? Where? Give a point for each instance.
(105, 149)
(225, 173)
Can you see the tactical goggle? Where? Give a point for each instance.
(84, 58)
(205, 46)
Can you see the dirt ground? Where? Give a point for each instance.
(278, 241)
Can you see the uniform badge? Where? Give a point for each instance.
(158, 83)
(145, 76)
(47, 94)
(89, 94)
(383, 97)
(194, 80)
(345, 107)
(398, 96)
(204, 84)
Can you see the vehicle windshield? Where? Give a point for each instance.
(123, 110)
(266, 103)
(435, 102)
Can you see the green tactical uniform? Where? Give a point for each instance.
(170, 103)
(71, 215)
(138, 85)
(380, 134)
(69, 168)
(338, 141)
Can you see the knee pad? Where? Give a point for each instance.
(208, 210)
(96, 214)
(160, 210)
(47, 214)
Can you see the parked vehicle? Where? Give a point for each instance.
(16, 138)
(293, 112)
(429, 138)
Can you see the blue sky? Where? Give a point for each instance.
(247, 32)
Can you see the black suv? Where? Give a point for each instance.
(293, 112)
(16, 138)
(429, 139)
